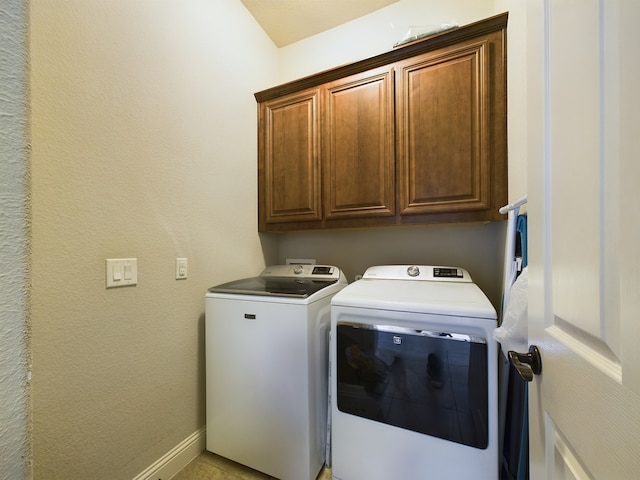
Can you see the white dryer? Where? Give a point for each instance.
(413, 377)
(266, 342)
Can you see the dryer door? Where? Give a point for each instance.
(430, 382)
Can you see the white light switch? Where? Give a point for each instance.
(116, 273)
(121, 272)
(128, 271)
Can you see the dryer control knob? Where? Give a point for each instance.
(298, 269)
(413, 271)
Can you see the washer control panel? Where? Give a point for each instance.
(320, 272)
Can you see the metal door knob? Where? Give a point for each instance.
(527, 364)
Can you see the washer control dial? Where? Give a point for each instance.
(413, 271)
(298, 269)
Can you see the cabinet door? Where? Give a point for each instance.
(289, 163)
(444, 106)
(359, 146)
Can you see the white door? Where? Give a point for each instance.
(583, 123)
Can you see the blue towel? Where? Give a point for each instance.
(521, 240)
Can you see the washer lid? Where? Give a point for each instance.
(279, 287)
(300, 281)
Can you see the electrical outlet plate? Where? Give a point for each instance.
(121, 272)
(181, 268)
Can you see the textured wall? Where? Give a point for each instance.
(144, 145)
(376, 33)
(14, 413)
(477, 248)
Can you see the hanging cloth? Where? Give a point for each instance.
(514, 428)
(521, 242)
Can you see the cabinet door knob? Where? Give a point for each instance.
(527, 364)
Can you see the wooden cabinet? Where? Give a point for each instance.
(358, 156)
(452, 134)
(289, 166)
(416, 135)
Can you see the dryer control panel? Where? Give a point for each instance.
(447, 272)
(418, 272)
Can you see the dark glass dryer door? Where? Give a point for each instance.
(430, 382)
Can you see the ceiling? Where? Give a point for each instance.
(288, 21)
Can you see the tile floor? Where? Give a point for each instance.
(208, 466)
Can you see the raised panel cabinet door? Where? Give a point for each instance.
(359, 148)
(289, 163)
(444, 131)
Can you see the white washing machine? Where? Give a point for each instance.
(266, 342)
(413, 377)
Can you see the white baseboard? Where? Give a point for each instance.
(177, 458)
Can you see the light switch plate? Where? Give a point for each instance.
(121, 272)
